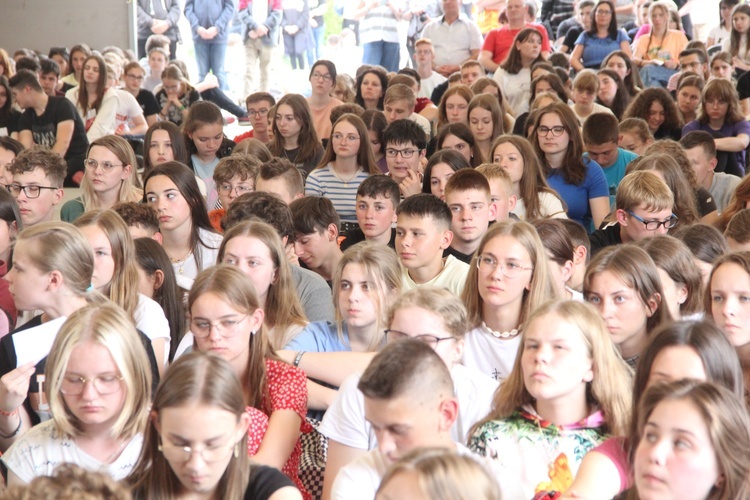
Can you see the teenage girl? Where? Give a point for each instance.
(458, 137)
(439, 169)
(294, 136)
(579, 181)
(534, 198)
(175, 96)
(658, 53)
(622, 283)
(204, 136)
(226, 318)
(677, 351)
(157, 282)
(656, 106)
(116, 276)
(111, 177)
(485, 121)
(514, 74)
(96, 105)
(738, 43)
(568, 390)
(163, 142)
(187, 235)
(722, 66)
(256, 249)
(508, 279)
(99, 390)
(78, 54)
(347, 161)
(454, 105)
(706, 243)
(723, 31)
(199, 409)
(612, 92)
(561, 254)
(689, 92)
(10, 225)
(635, 135)
(622, 64)
(9, 116)
(376, 122)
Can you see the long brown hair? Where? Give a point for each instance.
(460, 89)
(722, 90)
(735, 36)
(573, 169)
(365, 159)
(308, 139)
(101, 86)
(489, 103)
(513, 62)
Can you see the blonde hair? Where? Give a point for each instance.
(123, 289)
(130, 189)
(383, 271)
(611, 386)
(643, 189)
(283, 309)
(541, 288)
(106, 325)
(445, 475)
(439, 301)
(493, 171)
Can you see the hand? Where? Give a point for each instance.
(78, 177)
(121, 129)
(313, 23)
(670, 64)
(411, 185)
(262, 30)
(159, 26)
(14, 385)
(291, 256)
(212, 32)
(293, 30)
(203, 33)
(253, 34)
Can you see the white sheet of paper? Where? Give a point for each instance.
(35, 343)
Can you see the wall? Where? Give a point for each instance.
(41, 24)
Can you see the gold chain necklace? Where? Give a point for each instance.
(180, 262)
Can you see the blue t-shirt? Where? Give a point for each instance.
(728, 130)
(577, 197)
(320, 336)
(595, 49)
(616, 172)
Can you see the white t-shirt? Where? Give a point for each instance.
(150, 319)
(127, 108)
(422, 122)
(43, 447)
(516, 89)
(345, 419)
(719, 34)
(549, 206)
(598, 108)
(361, 478)
(427, 85)
(98, 122)
(209, 253)
(452, 277)
(490, 355)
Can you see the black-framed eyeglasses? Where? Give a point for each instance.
(261, 112)
(653, 225)
(426, 338)
(318, 76)
(557, 131)
(405, 153)
(107, 166)
(510, 270)
(31, 191)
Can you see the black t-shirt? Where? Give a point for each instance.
(148, 103)
(706, 202)
(264, 482)
(44, 130)
(607, 236)
(9, 122)
(571, 36)
(460, 256)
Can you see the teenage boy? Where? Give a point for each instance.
(467, 195)
(422, 234)
(316, 232)
(258, 105)
(38, 175)
(425, 55)
(49, 73)
(644, 210)
(398, 104)
(234, 176)
(700, 148)
(51, 122)
(404, 143)
(410, 403)
(471, 71)
(585, 89)
(282, 179)
(141, 219)
(600, 136)
(501, 189)
(377, 200)
(313, 291)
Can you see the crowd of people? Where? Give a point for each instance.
(518, 267)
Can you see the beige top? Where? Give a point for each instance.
(322, 119)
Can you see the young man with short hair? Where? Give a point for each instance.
(471, 71)
(690, 60)
(49, 73)
(234, 176)
(316, 232)
(644, 209)
(51, 122)
(422, 234)
(424, 53)
(404, 143)
(600, 136)
(398, 104)
(467, 195)
(378, 198)
(581, 252)
(501, 189)
(38, 175)
(258, 106)
(282, 179)
(700, 148)
(314, 293)
(141, 218)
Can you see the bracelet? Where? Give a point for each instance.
(18, 429)
(298, 359)
(182, 108)
(9, 413)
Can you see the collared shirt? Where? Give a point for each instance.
(453, 42)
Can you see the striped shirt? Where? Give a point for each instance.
(379, 24)
(343, 194)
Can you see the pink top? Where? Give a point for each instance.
(614, 449)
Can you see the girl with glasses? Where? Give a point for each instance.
(110, 177)
(567, 392)
(323, 81)
(196, 439)
(98, 388)
(226, 318)
(347, 161)
(580, 182)
(623, 284)
(509, 278)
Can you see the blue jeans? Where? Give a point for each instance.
(385, 54)
(210, 56)
(656, 76)
(313, 51)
